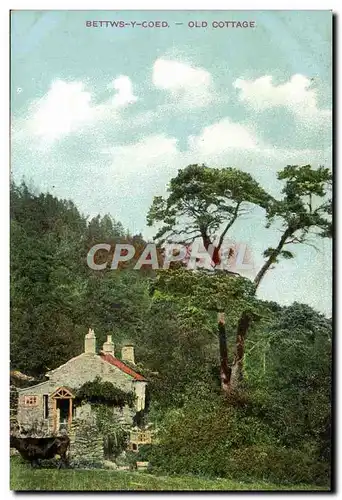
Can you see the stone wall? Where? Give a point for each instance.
(73, 374)
(140, 390)
(85, 368)
(13, 407)
(86, 443)
(31, 417)
(124, 416)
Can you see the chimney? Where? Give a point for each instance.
(108, 346)
(90, 342)
(127, 353)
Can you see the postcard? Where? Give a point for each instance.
(171, 250)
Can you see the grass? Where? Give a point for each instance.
(25, 478)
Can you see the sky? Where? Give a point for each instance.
(107, 115)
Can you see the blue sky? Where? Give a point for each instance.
(106, 116)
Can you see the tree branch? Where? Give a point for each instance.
(229, 225)
(288, 232)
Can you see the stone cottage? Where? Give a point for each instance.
(49, 406)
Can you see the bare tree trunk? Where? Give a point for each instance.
(231, 376)
(237, 366)
(225, 370)
(245, 319)
(215, 257)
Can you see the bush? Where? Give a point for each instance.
(211, 438)
(85, 464)
(144, 453)
(277, 465)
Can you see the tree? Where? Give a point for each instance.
(202, 201)
(303, 213)
(47, 235)
(55, 297)
(177, 349)
(290, 368)
(199, 297)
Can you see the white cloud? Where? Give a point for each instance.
(67, 107)
(124, 88)
(144, 167)
(152, 155)
(152, 160)
(63, 109)
(223, 136)
(146, 149)
(192, 85)
(297, 95)
(227, 143)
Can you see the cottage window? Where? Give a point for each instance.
(31, 401)
(46, 405)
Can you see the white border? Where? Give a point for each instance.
(172, 5)
(4, 170)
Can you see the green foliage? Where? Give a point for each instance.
(47, 248)
(114, 434)
(178, 351)
(306, 207)
(280, 428)
(104, 393)
(287, 254)
(195, 299)
(199, 437)
(283, 253)
(289, 367)
(201, 199)
(274, 463)
(201, 294)
(55, 297)
(144, 452)
(210, 437)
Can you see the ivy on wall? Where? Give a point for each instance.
(115, 436)
(106, 393)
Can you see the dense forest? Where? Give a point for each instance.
(239, 387)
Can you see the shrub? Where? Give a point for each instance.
(214, 439)
(144, 453)
(276, 464)
(85, 464)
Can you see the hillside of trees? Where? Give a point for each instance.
(244, 396)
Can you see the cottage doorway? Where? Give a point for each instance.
(62, 402)
(63, 409)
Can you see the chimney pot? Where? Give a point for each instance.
(90, 342)
(108, 346)
(127, 354)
